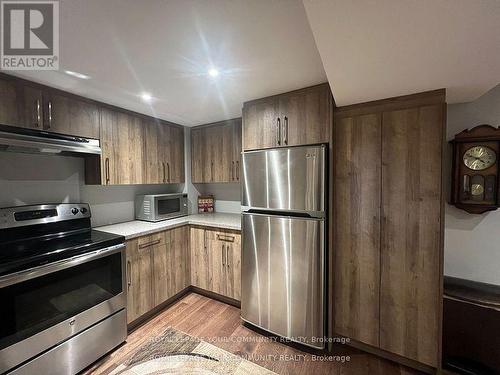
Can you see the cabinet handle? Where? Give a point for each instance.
(232, 171)
(278, 135)
(168, 171)
(237, 170)
(225, 237)
(164, 175)
(222, 255)
(227, 256)
(106, 170)
(129, 276)
(212, 170)
(50, 114)
(149, 244)
(38, 114)
(285, 131)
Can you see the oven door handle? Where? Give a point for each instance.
(62, 264)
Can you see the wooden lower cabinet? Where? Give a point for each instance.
(157, 269)
(139, 280)
(216, 261)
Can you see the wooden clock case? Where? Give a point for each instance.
(482, 135)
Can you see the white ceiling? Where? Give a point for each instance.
(378, 49)
(261, 47)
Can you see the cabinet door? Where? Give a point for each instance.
(233, 266)
(68, 115)
(261, 127)
(200, 269)
(236, 150)
(217, 261)
(110, 157)
(357, 167)
(410, 290)
(139, 280)
(197, 155)
(175, 166)
(224, 163)
(306, 116)
(177, 246)
(20, 105)
(154, 172)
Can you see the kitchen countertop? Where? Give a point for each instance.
(137, 228)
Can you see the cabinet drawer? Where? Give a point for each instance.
(157, 239)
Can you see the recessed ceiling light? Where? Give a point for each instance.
(146, 96)
(212, 72)
(76, 74)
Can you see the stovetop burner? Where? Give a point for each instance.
(35, 235)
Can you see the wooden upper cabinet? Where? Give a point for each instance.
(123, 152)
(197, 155)
(155, 168)
(215, 152)
(306, 116)
(69, 115)
(261, 124)
(296, 118)
(20, 104)
(175, 166)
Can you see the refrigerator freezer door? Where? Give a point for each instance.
(283, 276)
(291, 179)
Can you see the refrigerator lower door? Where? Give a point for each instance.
(283, 287)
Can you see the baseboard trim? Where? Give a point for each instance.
(190, 289)
(393, 357)
(216, 296)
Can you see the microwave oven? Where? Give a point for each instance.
(157, 207)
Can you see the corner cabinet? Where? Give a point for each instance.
(388, 220)
(296, 118)
(216, 261)
(216, 152)
(136, 150)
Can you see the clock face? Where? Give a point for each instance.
(477, 189)
(479, 158)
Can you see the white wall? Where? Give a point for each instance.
(472, 242)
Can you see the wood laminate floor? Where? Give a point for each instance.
(220, 324)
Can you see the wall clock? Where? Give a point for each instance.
(475, 172)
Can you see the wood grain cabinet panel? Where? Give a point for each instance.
(388, 229)
(357, 227)
(261, 127)
(68, 115)
(233, 266)
(201, 275)
(139, 280)
(216, 152)
(306, 116)
(295, 118)
(176, 170)
(122, 143)
(20, 105)
(411, 251)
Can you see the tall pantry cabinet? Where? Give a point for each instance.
(388, 218)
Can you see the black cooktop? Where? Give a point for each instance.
(31, 252)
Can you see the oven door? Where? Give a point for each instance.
(170, 207)
(46, 305)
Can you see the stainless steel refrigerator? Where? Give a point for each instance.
(284, 234)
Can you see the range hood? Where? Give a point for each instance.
(14, 139)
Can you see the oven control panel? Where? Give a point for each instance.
(44, 213)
